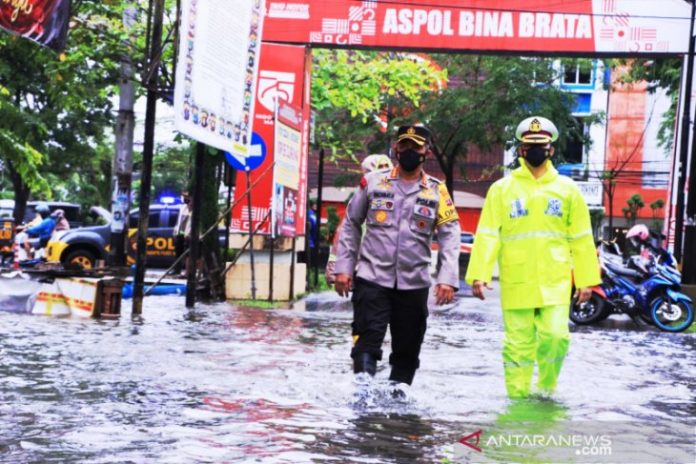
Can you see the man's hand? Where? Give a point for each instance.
(443, 294)
(583, 294)
(344, 284)
(477, 289)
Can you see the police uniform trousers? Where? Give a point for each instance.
(404, 311)
(538, 335)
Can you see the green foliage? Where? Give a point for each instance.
(350, 89)
(596, 217)
(332, 221)
(635, 203)
(655, 206)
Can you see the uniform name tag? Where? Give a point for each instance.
(426, 202)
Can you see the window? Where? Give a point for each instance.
(575, 147)
(173, 216)
(154, 219)
(577, 72)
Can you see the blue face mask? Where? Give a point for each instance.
(410, 159)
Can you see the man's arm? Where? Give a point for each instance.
(486, 247)
(581, 243)
(449, 237)
(350, 235)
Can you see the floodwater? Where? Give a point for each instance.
(231, 384)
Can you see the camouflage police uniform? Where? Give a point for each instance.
(392, 263)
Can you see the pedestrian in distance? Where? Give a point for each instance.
(535, 224)
(182, 234)
(387, 268)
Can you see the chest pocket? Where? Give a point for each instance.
(423, 218)
(381, 212)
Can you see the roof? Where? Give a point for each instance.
(340, 195)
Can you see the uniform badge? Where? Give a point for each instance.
(517, 209)
(425, 211)
(421, 224)
(381, 216)
(554, 208)
(384, 183)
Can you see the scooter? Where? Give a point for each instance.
(644, 289)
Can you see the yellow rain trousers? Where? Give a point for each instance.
(538, 231)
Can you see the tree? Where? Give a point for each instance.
(486, 98)
(60, 107)
(635, 203)
(655, 206)
(351, 89)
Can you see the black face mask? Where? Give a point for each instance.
(536, 155)
(410, 159)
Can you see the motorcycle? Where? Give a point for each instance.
(643, 288)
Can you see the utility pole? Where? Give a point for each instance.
(684, 142)
(154, 57)
(123, 161)
(194, 248)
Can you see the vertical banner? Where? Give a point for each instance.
(43, 21)
(282, 76)
(286, 172)
(220, 43)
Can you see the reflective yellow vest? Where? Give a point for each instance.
(537, 230)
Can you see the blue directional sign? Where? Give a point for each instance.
(257, 153)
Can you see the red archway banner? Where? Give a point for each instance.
(43, 21)
(609, 27)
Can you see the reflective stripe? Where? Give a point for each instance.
(581, 234)
(541, 234)
(509, 364)
(489, 231)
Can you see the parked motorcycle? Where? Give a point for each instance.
(642, 288)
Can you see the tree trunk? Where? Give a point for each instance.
(21, 191)
(209, 215)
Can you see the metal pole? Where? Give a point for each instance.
(228, 216)
(148, 150)
(270, 270)
(683, 145)
(251, 235)
(315, 250)
(292, 269)
(194, 248)
(123, 159)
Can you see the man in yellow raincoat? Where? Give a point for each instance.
(536, 225)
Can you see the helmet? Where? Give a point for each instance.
(376, 162)
(536, 129)
(639, 231)
(42, 209)
(638, 235)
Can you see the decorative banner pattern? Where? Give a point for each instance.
(216, 73)
(43, 21)
(525, 26)
(283, 75)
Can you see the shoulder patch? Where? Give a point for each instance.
(446, 211)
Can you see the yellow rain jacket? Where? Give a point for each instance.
(537, 230)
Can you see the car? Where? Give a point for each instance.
(71, 210)
(466, 243)
(85, 245)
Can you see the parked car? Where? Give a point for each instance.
(86, 245)
(71, 210)
(466, 243)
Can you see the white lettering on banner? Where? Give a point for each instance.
(275, 85)
(435, 22)
(592, 192)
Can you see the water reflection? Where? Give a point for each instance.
(228, 384)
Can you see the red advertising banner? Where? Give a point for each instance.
(610, 27)
(286, 175)
(43, 21)
(282, 76)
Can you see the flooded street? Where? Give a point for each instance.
(232, 384)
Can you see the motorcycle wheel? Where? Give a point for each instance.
(671, 316)
(591, 311)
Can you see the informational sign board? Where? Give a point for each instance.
(283, 75)
(43, 21)
(592, 192)
(219, 48)
(608, 27)
(257, 153)
(286, 173)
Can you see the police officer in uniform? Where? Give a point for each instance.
(535, 224)
(402, 208)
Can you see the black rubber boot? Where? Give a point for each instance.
(401, 375)
(365, 362)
